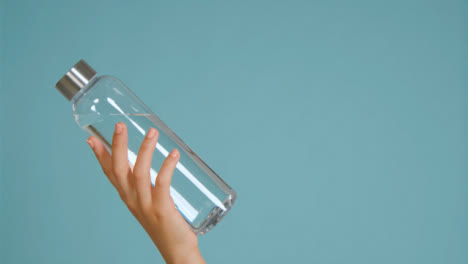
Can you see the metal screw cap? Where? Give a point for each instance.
(75, 79)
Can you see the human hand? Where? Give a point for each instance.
(153, 207)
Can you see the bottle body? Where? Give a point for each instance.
(200, 195)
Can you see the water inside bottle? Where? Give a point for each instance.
(195, 193)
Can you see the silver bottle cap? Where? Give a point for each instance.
(75, 79)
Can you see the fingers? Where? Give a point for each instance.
(120, 167)
(163, 181)
(103, 157)
(142, 168)
(117, 169)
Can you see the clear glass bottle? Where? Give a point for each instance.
(99, 102)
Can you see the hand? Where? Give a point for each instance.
(152, 207)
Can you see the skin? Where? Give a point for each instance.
(153, 207)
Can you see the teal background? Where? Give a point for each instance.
(341, 124)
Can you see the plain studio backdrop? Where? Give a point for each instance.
(341, 125)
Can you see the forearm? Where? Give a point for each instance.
(193, 257)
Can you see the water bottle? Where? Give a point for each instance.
(99, 102)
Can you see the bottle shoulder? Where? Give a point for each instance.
(106, 96)
(98, 87)
(107, 78)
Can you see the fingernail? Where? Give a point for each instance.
(174, 153)
(90, 143)
(118, 128)
(151, 133)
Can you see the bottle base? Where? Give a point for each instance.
(215, 216)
